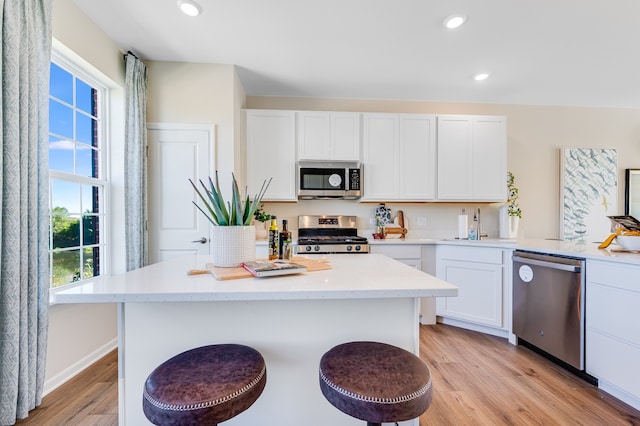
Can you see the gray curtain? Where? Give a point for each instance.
(136, 162)
(24, 204)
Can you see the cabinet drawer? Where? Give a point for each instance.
(613, 361)
(398, 251)
(613, 311)
(470, 254)
(614, 275)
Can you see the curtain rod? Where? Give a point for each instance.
(124, 56)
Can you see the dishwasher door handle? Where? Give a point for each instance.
(544, 264)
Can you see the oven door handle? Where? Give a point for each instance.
(551, 265)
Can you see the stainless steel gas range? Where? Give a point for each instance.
(330, 234)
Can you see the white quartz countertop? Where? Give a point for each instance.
(351, 277)
(557, 247)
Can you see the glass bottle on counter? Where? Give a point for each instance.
(284, 240)
(273, 239)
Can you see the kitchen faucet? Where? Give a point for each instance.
(476, 218)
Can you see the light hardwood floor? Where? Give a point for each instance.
(478, 380)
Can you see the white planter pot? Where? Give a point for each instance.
(508, 224)
(232, 245)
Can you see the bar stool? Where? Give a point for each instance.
(375, 382)
(204, 386)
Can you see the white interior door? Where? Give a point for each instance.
(177, 154)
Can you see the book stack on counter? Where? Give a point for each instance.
(269, 268)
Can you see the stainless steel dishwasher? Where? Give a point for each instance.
(548, 305)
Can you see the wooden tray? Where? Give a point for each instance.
(223, 274)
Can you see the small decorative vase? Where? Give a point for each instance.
(508, 224)
(232, 245)
(262, 230)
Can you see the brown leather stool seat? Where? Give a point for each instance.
(204, 386)
(375, 382)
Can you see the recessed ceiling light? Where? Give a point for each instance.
(454, 21)
(481, 76)
(189, 7)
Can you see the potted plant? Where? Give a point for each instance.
(233, 237)
(510, 214)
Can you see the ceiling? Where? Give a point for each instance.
(538, 52)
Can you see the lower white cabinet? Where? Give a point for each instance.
(414, 256)
(480, 274)
(612, 337)
(408, 254)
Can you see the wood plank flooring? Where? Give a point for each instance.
(478, 380)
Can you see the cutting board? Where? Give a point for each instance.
(223, 274)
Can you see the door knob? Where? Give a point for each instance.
(202, 240)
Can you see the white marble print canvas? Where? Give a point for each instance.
(589, 193)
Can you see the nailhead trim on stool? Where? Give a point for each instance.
(204, 386)
(375, 382)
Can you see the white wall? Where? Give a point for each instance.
(81, 334)
(535, 135)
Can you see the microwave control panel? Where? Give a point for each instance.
(354, 178)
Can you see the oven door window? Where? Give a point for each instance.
(322, 179)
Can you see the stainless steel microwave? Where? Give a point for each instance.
(329, 180)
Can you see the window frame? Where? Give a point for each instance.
(83, 72)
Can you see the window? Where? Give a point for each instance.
(78, 182)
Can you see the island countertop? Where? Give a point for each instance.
(351, 277)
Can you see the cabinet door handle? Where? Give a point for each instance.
(202, 240)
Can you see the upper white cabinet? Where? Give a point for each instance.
(271, 153)
(399, 157)
(472, 158)
(328, 135)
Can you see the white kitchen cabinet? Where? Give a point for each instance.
(399, 157)
(480, 274)
(612, 333)
(328, 135)
(271, 153)
(472, 158)
(417, 256)
(408, 254)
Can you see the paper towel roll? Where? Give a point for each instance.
(463, 226)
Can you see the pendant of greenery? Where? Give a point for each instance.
(238, 212)
(513, 209)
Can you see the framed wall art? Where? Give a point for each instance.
(588, 193)
(632, 193)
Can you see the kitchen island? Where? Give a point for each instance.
(291, 320)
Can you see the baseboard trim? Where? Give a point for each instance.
(68, 373)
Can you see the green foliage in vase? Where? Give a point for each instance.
(512, 209)
(261, 215)
(237, 212)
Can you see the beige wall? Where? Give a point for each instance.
(188, 93)
(81, 334)
(535, 135)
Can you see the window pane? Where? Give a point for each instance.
(85, 97)
(60, 119)
(66, 230)
(66, 267)
(65, 195)
(90, 199)
(61, 84)
(86, 161)
(60, 154)
(91, 262)
(85, 129)
(90, 230)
